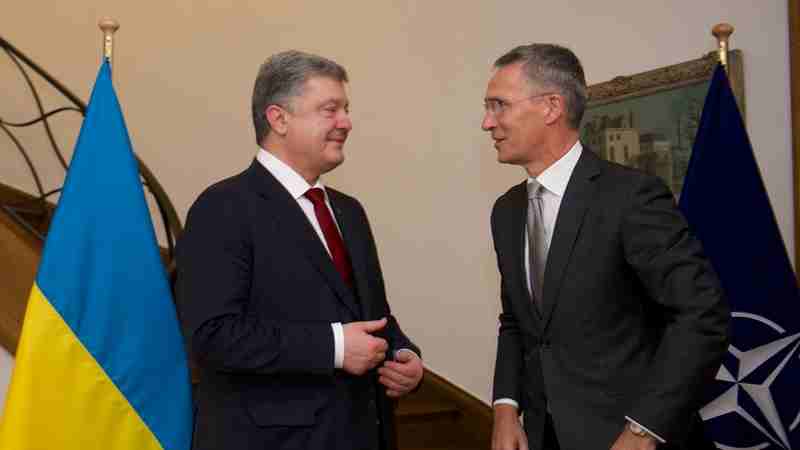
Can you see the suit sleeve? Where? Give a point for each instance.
(508, 365)
(394, 335)
(680, 280)
(215, 263)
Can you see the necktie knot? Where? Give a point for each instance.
(316, 195)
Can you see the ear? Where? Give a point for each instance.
(277, 119)
(556, 108)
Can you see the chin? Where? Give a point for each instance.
(332, 163)
(509, 159)
(504, 159)
(338, 157)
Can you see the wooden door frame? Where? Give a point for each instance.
(794, 87)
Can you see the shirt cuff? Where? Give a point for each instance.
(338, 345)
(406, 350)
(657, 437)
(506, 401)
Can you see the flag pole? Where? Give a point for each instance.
(108, 26)
(723, 31)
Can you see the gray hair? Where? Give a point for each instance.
(281, 78)
(553, 67)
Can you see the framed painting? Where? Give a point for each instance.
(649, 120)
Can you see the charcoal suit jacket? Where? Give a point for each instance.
(633, 323)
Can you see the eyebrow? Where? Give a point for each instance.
(337, 101)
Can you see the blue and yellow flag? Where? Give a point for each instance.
(755, 402)
(100, 363)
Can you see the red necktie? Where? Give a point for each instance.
(331, 233)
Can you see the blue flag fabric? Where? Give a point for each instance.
(755, 402)
(101, 362)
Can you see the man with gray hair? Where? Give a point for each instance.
(280, 290)
(613, 321)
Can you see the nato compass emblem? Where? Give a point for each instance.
(756, 398)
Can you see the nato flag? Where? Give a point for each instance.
(755, 402)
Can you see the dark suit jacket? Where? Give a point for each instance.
(633, 324)
(257, 294)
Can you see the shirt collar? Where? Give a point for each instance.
(556, 177)
(286, 176)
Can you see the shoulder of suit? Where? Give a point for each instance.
(618, 183)
(225, 190)
(517, 189)
(505, 204)
(618, 173)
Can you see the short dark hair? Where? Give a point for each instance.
(282, 77)
(554, 67)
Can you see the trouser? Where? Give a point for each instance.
(549, 439)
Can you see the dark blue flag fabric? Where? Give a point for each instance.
(755, 402)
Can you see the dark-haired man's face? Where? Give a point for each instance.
(517, 127)
(318, 125)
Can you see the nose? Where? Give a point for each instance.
(488, 121)
(344, 122)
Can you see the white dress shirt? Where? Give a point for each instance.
(554, 182)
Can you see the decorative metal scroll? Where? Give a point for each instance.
(34, 213)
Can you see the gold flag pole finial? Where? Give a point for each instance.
(723, 31)
(108, 26)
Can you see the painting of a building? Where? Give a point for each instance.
(654, 133)
(656, 158)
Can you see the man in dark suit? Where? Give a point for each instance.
(612, 319)
(280, 291)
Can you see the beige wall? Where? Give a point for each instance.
(416, 158)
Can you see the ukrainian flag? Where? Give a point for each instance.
(101, 362)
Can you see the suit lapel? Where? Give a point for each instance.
(354, 242)
(574, 205)
(519, 217)
(294, 224)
